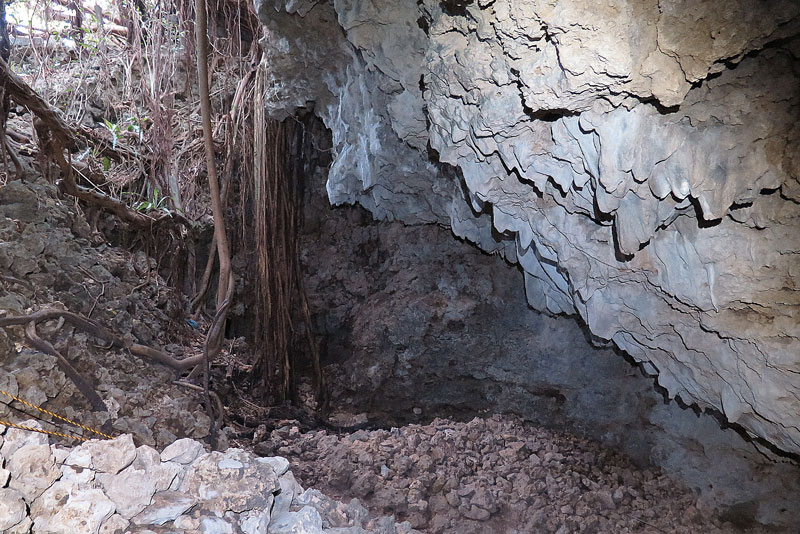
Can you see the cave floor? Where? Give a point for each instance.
(494, 474)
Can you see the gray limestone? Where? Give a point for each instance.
(66, 508)
(166, 506)
(12, 508)
(306, 520)
(183, 451)
(33, 470)
(108, 456)
(114, 525)
(131, 490)
(224, 492)
(637, 160)
(230, 481)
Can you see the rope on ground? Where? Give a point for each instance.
(48, 412)
(39, 430)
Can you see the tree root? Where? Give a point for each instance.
(211, 349)
(83, 386)
(72, 138)
(68, 185)
(220, 407)
(12, 280)
(55, 135)
(200, 296)
(119, 208)
(19, 173)
(98, 331)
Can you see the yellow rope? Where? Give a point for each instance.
(14, 425)
(53, 415)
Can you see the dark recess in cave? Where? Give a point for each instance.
(456, 8)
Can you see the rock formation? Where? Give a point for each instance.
(114, 486)
(637, 159)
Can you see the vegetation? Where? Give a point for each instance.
(151, 111)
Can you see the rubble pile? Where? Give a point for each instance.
(113, 486)
(492, 475)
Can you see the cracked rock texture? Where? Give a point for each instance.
(637, 159)
(414, 324)
(112, 486)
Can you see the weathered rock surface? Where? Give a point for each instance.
(637, 160)
(229, 491)
(110, 487)
(12, 508)
(230, 481)
(51, 257)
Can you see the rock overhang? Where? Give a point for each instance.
(640, 157)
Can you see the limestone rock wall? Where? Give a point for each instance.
(638, 160)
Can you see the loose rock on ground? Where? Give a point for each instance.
(112, 486)
(492, 475)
